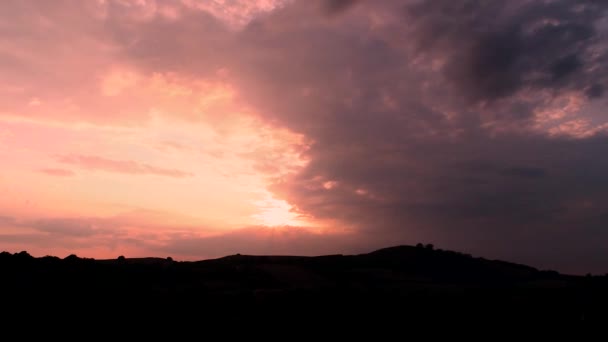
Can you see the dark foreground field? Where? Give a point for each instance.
(395, 284)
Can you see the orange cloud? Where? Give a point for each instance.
(121, 166)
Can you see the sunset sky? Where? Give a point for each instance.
(202, 128)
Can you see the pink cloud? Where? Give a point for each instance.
(58, 172)
(121, 166)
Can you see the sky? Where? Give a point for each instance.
(203, 128)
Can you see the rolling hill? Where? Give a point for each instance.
(397, 283)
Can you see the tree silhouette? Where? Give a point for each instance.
(23, 255)
(72, 257)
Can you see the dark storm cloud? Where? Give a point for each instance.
(595, 91)
(497, 48)
(408, 157)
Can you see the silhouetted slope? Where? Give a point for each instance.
(404, 282)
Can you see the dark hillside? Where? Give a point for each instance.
(404, 282)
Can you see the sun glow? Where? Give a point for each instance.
(275, 212)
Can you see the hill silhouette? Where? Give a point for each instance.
(397, 283)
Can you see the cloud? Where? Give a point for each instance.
(82, 227)
(58, 172)
(477, 125)
(595, 91)
(60, 234)
(6, 220)
(24, 240)
(426, 119)
(126, 234)
(494, 49)
(261, 241)
(72, 227)
(337, 6)
(120, 166)
(133, 233)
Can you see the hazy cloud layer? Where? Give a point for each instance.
(119, 166)
(90, 235)
(57, 172)
(263, 241)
